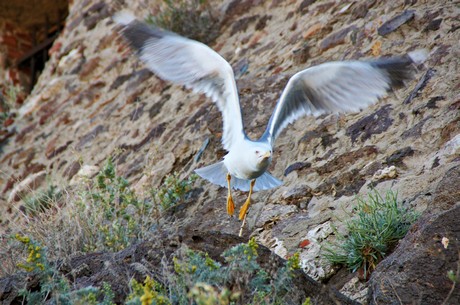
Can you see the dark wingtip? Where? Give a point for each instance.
(134, 31)
(401, 69)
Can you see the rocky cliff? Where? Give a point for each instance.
(95, 99)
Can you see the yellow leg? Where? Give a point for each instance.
(230, 203)
(245, 207)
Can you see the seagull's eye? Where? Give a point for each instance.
(257, 152)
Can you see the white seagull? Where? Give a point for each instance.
(333, 87)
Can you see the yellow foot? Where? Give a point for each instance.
(230, 205)
(244, 209)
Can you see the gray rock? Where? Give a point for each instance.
(394, 23)
(417, 270)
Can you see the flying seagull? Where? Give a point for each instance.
(333, 87)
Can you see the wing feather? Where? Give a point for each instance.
(335, 87)
(190, 63)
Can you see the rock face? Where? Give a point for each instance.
(418, 269)
(94, 99)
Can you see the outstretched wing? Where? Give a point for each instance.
(187, 62)
(335, 87)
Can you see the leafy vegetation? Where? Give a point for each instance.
(172, 192)
(150, 292)
(194, 279)
(54, 287)
(378, 225)
(110, 212)
(454, 277)
(198, 279)
(112, 216)
(190, 18)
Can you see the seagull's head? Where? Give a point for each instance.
(262, 156)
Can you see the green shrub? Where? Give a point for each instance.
(172, 191)
(110, 212)
(209, 282)
(151, 292)
(378, 225)
(54, 287)
(113, 216)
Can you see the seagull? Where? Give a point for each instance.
(332, 87)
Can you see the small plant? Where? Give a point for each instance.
(43, 200)
(12, 93)
(293, 262)
(172, 191)
(204, 294)
(8, 97)
(151, 292)
(114, 217)
(454, 277)
(36, 258)
(110, 210)
(307, 301)
(378, 225)
(190, 18)
(52, 285)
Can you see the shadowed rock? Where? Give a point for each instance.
(417, 270)
(420, 85)
(394, 23)
(397, 157)
(376, 123)
(336, 38)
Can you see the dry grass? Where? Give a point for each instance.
(99, 214)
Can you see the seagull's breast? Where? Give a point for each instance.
(243, 165)
(242, 171)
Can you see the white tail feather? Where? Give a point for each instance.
(266, 182)
(217, 173)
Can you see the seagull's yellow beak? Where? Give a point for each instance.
(267, 155)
